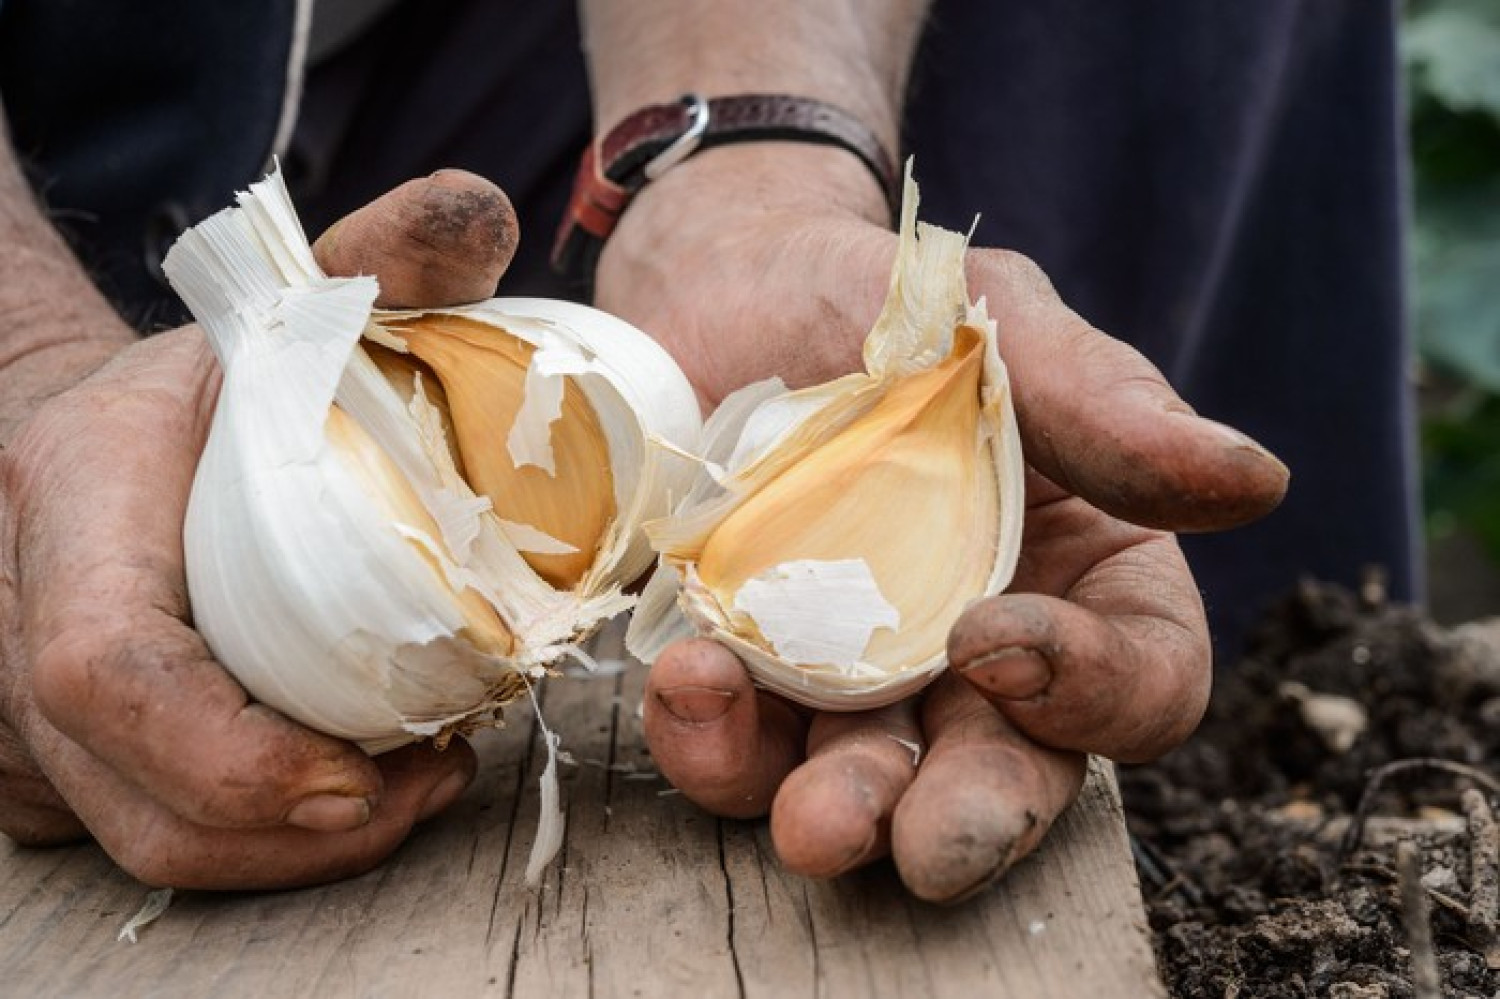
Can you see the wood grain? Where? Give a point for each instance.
(650, 897)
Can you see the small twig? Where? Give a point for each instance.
(1164, 878)
(1377, 778)
(1484, 875)
(1389, 876)
(1416, 919)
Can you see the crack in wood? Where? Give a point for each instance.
(560, 862)
(473, 856)
(734, 954)
(812, 937)
(614, 741)
(760, 865)
(522, 771)
(588, 963)
(515, 959)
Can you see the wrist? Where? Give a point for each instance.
(729, 185)
(55, 326)
(854, 55)
(734, 203)
(55, 330)
(50, 369)
(659, 139)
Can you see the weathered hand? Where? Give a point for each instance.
(114, 718)
(758, 260)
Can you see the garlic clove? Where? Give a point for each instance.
(482, 371)
(383, 482)
(908, 474)
(834, 534)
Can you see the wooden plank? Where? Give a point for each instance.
(649, 897)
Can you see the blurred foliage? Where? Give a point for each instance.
(1461, 449)
(1451, 50)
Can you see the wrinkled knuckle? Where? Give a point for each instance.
(1017, 272)
(254, 789)
(66, 671)
(1162, 734)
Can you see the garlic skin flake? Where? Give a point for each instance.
(340, 562)
(835, 533)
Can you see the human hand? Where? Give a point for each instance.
(769, 259)
(114, 719)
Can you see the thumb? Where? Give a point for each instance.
(1100, 420)
(435, 241)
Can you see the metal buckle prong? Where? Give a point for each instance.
(683, 146)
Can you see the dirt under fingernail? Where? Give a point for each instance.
(1014, 674)
(696, 705)
(329, 813)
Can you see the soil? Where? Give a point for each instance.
(1353, 731)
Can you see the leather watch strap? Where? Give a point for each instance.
(650, 141)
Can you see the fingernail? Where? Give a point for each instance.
(448, 790)
(1241, 441)
(329, 813)
(696, 705)
(1014, 674)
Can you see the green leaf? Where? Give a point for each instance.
(1456, 248)
(1452, 50)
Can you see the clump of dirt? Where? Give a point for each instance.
(1267, 844)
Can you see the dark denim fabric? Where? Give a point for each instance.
(1223, 186)
(1219, 184)
(137, 119)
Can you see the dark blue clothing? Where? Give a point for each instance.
(136, 119)
(1219, 184)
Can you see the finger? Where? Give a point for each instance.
(1121, 667)
(1099, 419)
(1128, 688)
(435, 241)
(724, 744)
(983, 798)
(160, 847)
(833, 813)
(114, 666)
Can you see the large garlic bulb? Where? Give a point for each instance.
(835, 533)
(399, 516)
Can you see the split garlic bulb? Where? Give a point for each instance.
(835, 533)
(400, 515)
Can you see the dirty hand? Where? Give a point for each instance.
(115, 720)
(756, 260)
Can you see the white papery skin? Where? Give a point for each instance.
(324, 604)
(808, 627)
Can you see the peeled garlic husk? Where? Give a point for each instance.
(400, 517)
(835, 533)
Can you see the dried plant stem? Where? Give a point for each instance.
(1484, 874)
(1380, 775)
(1415, 917)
